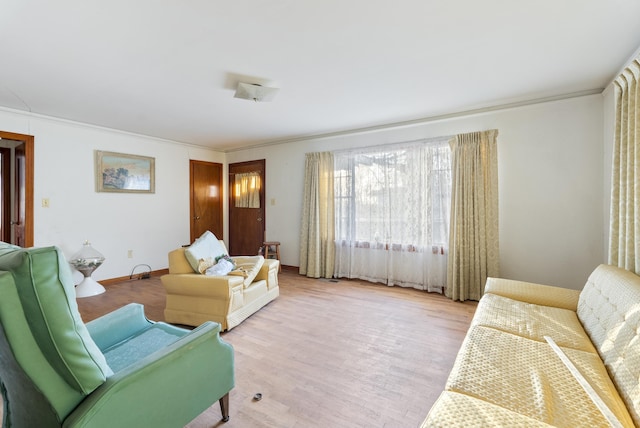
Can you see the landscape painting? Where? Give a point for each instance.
(119, 172)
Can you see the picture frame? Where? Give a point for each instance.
(124, 173)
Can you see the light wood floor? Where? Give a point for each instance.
(327, 354)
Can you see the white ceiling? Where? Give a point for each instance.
(169, 68)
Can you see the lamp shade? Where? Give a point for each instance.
(255, 92)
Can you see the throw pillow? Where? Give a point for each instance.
(207, 245)
(223, 267)
(205, 264)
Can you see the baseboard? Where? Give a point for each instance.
(110, 281)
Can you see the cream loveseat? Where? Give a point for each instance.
(507, 373)
(193, 298)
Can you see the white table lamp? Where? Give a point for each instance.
(86, 261)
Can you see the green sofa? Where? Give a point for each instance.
(119, 370)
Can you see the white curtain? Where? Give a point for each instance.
(624, 243)
(317, 231)
(247, 190)
(473, 241)
(392, 214)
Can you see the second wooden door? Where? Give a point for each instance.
(206, 198)
(246, 223)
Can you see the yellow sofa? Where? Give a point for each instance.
(507, 373)
(193, 298)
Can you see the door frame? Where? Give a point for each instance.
(28, 184)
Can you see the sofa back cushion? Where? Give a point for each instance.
(24, 369)
(247, 267)
(46, 291)
(609, 310)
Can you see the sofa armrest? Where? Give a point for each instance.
(193, 284)
(178, 262)
(545, 295)
(268, 266)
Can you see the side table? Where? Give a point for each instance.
(275, 251)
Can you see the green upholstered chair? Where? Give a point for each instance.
(120, 370)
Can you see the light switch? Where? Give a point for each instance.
(45, 202)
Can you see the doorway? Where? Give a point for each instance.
(16, 188)
(205, 187)
(246, 214)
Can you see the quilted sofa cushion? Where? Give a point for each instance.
(532, 321)
(526, 377)
(538, 294)
(46, 291)
(462, 411)
(609, 309)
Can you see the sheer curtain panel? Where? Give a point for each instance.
(247, 190)
(624, 242)
(473, 239)
(392, 214)
(317, 231)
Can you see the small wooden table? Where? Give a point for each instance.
(267, 248)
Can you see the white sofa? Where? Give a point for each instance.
(507, 374)
(193, 298)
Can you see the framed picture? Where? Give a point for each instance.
(119, 172)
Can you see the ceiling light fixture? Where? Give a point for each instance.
(255, 92)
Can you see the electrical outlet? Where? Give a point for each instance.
(130, 254)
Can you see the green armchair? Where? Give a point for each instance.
(118, 370)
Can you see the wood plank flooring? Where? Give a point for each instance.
(327, 354)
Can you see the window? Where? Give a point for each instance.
(391, 201)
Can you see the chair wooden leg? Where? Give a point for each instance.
(224, 407)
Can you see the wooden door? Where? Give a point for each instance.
(16, 188)
(206, 198)
(246, 225)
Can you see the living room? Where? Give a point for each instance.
(554, 156)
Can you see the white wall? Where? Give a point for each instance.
(149, 224)
(551, 174)
(550, 185)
